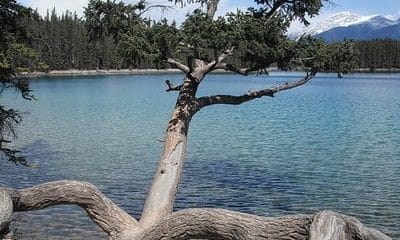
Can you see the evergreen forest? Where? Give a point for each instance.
(66, 42)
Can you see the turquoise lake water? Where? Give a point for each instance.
(332, 144)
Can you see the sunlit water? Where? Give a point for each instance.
(332, 144)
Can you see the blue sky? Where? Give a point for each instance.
(362, 7)
(368, 7)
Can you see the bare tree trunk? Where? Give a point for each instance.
(212, 7)
(160, 200)
(161, 197)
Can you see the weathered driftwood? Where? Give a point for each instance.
(185, 224)
(6, 210)
(330, 225)
(104, 212)
(223, 224)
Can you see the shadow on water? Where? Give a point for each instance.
(233, 185)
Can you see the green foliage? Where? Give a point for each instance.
(259, 40)
(164, 40)
(379, 54)
(343, 57)
(205, 35)
(185, 2)
(289, 10)
(110, 18)
(15, 57)
(134, 45)
(120, 21)
(311, 53)
(63, 43)
(258, 36)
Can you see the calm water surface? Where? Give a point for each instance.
(332, 144)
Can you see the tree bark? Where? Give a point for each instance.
(212, 6)
(223, 224)
(160, 199)
(330, 225)
(104, 212)
(236, 100)
(6, 210)
(189, 223)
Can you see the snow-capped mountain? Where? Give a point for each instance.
(346, 25)
(379, 22)
(320, 25)
(375, 27)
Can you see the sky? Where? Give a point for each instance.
(361, 7)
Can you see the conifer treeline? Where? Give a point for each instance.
(63, 43)
(379, 54)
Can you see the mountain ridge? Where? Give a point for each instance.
(346, 25)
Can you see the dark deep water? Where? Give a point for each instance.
(332, 144)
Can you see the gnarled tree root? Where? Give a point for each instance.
(6, 210)
(185, 224)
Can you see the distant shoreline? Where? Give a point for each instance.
(76, 72)
(377, 70)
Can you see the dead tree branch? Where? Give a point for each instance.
(159, 6)
(104, 212)
(186, 224)
(6, 210)
(224, 224)
(232, 68)
(331, 225)
(236, 100)
(172, 87)
(219, 59)
(212, 6)
(178, 65)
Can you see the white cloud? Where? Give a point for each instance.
(226, 6)
(178, 13)
(60, 5)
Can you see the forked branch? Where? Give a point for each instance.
(232, 68)
(162, 7)
(219, 59)
(236, 100)
(178, 65)
(104, 212)
(185, 224)
(172, 87)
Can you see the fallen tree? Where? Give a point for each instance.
(258, 36)
(184, 224)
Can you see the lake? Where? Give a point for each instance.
(331, 144)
